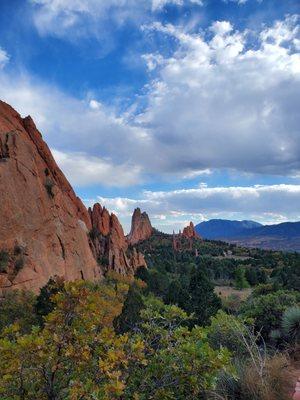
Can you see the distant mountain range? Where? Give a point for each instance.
(284, 236)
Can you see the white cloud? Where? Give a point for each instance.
(215, 103)
(93, 17)
(282, 31)
(265, 203)
(238, 1)
(159, 4)
(4, 58)
(219, 102)
(91, 143)
(84, 170)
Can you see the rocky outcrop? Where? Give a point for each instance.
(43, 225)
(110, 245)
(141, 228)
(189, 231)
(45, 230)
(185, 240)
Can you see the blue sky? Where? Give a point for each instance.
(186, 108)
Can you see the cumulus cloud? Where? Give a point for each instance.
(169, 209)
(4, 58)
(220, 102)
(216, 102)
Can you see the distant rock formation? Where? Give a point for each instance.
(109, 243)
(184, 240)
(189, 231)
(141, 228)
(45, 230)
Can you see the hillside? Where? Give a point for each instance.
(222, 228)
(284, 236)
(220, 259)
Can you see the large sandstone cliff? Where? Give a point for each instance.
(45, 230)
(141, 228)
(43, 225)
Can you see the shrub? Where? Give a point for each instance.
(267, 310)
(19, 264)
(49, 187)
(18, 250)
(227, 331)
(18, 307)
(291, 324)
(4, 258)
(94, 233)
(232, 303)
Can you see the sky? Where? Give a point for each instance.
(188, 109)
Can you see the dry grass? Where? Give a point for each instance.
(276, 382)
(225, 291)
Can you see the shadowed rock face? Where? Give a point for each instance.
(110, 245)
(141, 228)
(45, 230)
(43, 225)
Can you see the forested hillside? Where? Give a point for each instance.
(208, 321)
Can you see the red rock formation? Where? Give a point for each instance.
(189, 231)
(100, 219)
(45, 230)
(110, 245)
(43, 225)
(141, 228)
(185, 239)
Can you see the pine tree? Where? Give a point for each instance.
(204, 302)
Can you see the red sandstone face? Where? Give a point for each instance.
(39, 212)
(141, 228)
(44, 227)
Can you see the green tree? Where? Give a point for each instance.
(132, 307)
(240, 279)
(177, 294)
(204, 303)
